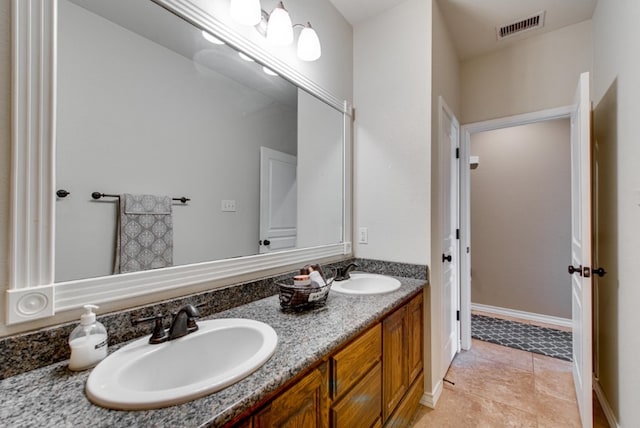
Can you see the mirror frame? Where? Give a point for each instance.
(32, 292)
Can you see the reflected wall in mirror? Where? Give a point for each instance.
(147, 105)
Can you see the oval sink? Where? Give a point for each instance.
(366, 283)
(144, 376)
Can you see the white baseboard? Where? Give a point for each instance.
(547, 319)
(608, 412)
(430, 399)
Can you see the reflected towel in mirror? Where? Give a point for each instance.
(144, 235)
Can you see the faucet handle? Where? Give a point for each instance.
(159, 334)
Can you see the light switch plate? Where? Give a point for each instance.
(228, 205)
(363, 235)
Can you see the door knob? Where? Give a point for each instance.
(600, 272)
(573, 270)
(266, 242)
(446, 258)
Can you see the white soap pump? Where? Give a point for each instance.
(88, 341)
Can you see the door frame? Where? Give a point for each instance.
(465, 199)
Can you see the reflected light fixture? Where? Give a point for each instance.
(269, 71)
(211, 39)
(246, 12)
(245, 57)
(277, 27)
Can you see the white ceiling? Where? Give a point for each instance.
(472, 23)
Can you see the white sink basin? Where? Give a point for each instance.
(144, 376)
(366, 283)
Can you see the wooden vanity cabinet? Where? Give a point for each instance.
(303, 405)
(402, 335)
(375, 380)
(356, 382)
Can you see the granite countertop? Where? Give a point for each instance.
(54, 396)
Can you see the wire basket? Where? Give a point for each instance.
(303, 297)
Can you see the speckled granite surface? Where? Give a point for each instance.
(32, 350)
(54, 396)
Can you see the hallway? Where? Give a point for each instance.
(496, 386)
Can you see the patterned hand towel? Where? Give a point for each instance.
(144, 239)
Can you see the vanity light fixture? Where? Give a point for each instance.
(211, 39)
(277, 27)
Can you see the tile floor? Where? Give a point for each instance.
(496, 386)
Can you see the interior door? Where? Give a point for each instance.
(580, 268)
(449, 136)
(278, 201)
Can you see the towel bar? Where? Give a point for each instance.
(98, 195)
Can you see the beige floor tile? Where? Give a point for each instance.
(458, 409)
(501, 354)
(553, 377)
(556, 412)
(502, 383)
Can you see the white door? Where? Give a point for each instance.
(278, 201)
(449, 134)
(580, 268)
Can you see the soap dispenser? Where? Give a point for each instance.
(88, 341)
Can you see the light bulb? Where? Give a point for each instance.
(308, 44)
(211, 39)
(279, 28)
(247, 12)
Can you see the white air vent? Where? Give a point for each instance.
(521, 25)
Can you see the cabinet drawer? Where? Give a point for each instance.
(362, 406)
(355, 360)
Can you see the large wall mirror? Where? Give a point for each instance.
(148, 101)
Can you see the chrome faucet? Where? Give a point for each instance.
(184, 322)
(343, 273)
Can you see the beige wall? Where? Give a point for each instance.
(616, 84)
(535, 74)
(445, 83)
(392, 144)
(521, 218)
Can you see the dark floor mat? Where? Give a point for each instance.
(527, 337)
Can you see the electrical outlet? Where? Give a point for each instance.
(228, 205)
(363, 235)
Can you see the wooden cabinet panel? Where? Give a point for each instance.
(362, 406)
(401, 418)
(415, 337)
(350, 364)
(304, 405)
(394, 361)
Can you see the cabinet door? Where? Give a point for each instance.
(394, 360)
(304, 405)
(415, 337)
(361, 406)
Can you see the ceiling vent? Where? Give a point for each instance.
(521, 25)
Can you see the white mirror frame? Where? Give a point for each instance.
(32, 293)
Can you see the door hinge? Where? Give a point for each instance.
(457, 315)
(457, 153)
(457, 233)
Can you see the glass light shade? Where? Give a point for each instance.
(247, 12)
(211, 39)
(309, 44)
(279, 28)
